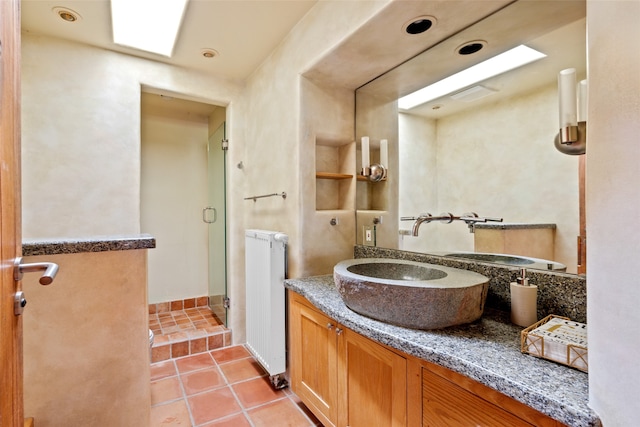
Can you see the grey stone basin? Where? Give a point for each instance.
(516, 260)
(411, 294)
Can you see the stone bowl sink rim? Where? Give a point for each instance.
(455, 277)
(455, 299)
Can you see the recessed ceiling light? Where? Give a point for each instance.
(498, 64)
(66, 14)
(419, 25)
(209, 53)
(471, 47)
(149, 25)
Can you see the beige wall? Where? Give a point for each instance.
(378, 119)
(81, 148)
(81, 138)
(174, 190)
(326, 145)
(613, 204)
(276, 160)
(498, 161)
(417, 186)
(81, 134)
(268, 116)
(86, 343)
(68, 153)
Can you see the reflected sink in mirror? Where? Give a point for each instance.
(411, 294)
(515, 260)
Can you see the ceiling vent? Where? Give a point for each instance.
(473, 93)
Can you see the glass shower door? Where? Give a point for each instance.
(215, 216)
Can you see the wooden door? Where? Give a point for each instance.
(372, 383)
(11, 395)
(313, 354)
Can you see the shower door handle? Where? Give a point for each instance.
(205, 217)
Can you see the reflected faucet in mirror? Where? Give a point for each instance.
(470, 219)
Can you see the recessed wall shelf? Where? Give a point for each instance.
(335, 186)
(332, 175)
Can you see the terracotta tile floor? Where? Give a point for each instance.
(224, 387)
(183, 332)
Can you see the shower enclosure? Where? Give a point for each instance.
(215, 216)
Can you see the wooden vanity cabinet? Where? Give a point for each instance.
(344, 378)
(348, 380)
(313, 355)
(372, 383)
(448, 399)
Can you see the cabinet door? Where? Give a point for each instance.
(313, 350)
(372, 382)
(444, 404)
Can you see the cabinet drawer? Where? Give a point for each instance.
(444, 404)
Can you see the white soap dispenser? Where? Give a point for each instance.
(524, 305)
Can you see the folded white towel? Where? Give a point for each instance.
(565, 341)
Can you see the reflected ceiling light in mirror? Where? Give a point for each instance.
(491, 67)
(149, 25)
(419, 25)
(66, 14)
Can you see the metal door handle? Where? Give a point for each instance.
(204, 214)
(50, 270)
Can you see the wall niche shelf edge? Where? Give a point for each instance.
(335, 186)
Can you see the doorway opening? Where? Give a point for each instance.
(182, 204)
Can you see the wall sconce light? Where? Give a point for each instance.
(378, 171)
(572, 138)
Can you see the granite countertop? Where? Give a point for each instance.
(487, 351)
(32, 247)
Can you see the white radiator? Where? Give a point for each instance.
(265, 265)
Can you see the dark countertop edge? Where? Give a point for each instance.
(33, 247)
(512, 226)
(556, 408)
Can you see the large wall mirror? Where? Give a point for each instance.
(487, 147)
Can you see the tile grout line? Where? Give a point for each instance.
(216, 364)
(184, 391)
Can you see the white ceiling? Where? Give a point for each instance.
(243, 32)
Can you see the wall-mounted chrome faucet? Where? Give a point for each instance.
(470, 219)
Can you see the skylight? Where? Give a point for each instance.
(149, 25)
(499, 64)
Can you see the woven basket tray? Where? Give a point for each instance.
(558, 339)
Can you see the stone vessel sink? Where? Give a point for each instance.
(411, 294)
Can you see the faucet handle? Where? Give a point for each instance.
(408, 218)
(446, 216)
